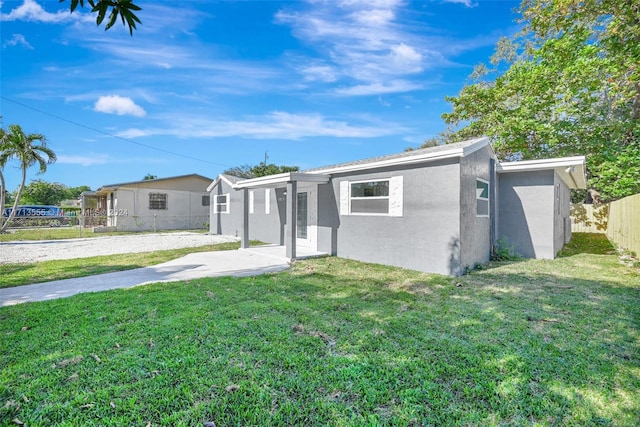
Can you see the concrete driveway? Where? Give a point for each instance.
(243, 262)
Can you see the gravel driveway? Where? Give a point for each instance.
(46, 250)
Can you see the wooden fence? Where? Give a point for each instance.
(620, 220)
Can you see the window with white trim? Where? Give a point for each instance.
(251, 201)
(221, 203)
(157, 201)
(383, 197)
(369, 197)
(482, 198)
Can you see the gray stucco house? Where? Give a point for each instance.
(439, 209)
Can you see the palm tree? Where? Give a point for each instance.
(3, 185)
(15, 144)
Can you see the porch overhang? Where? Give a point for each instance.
(570, 169)
(281, 180)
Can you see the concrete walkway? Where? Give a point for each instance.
(243, 262)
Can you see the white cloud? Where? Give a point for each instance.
(98, 159)
(323, 73)
(29, 10)
(378, 88)
(115, 104)
(362, 41)
(17, 39)
(275, 125)
(467, 3)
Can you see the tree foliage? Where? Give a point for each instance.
(261, 169)
(28, 150)
(40, 192)
(567, 84)
(149, 177)
(123, 8)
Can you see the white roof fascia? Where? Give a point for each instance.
(213, 184)
(409, 160)
(570, 169)
(281, 179)
(220, 177)
(541, 164)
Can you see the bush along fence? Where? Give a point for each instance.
(619, 220)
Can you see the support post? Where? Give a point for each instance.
(244, 223)
(290, 233)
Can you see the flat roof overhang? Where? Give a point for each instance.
(282, 179)
(570, 169)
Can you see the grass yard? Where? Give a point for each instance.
(68, 233)
(336, 342)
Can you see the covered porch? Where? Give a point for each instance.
(298, 210)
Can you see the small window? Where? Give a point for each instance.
(371, 197)
(557, 199)
(158, 201)
(482, 198)
(267, 201)
(251, 201)
(221, 203)
(206, 200)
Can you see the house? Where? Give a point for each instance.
(440, 209)
(174, 203)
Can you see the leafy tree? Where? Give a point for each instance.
(75, 192)
(261, 169)
(149, 177)
(27, 150)
(567, 84)
(123, 8)
(39, 192)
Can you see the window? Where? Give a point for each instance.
(251, 201)
(379, 197)
(482, 198)
(158, 201)
(370, 197)
(221, 203)
(557, 199)
(206, 200)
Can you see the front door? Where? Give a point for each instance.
(302, 218)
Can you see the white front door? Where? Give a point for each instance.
(307, 217)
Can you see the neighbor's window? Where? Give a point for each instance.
(206, 200)
(371, 197)
(158, 201)
(221, 203)
(482, 198)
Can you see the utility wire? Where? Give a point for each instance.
(151, 147)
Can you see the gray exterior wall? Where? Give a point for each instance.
(562, 217)
(526, 210)
(226, 223)
(427, 235)
(475, 232)
(268, 228)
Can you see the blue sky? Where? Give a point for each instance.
(206, 85)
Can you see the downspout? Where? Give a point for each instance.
(493, 204)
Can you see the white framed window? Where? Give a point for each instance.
(482, 198)
(267, 201)
(157, 201)
(221, 203)
(251, 201)
(372, 197)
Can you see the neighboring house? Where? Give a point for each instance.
(439, 209)
(174, 203)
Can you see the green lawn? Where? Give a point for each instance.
(68, 233)
(336, 342)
